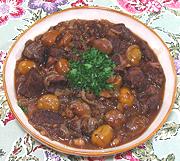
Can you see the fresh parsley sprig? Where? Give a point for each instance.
(91, 71)
(24, 109)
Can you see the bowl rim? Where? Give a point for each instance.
(72, 152)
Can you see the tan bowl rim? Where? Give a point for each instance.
(94, 153)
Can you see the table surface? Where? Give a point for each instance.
(17, 15)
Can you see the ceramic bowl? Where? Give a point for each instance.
(41, 26)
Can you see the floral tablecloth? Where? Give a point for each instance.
(17, 15)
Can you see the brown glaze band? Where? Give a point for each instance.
(78, 151)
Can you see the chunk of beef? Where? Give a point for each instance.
(88, 97)
(80, 108)
(102, 106)
(148, 53)
(109, 103)
(93, 28)
(148, 101)
(54, 81)
(154, 72)
(119, 46)
(65, 93)
(52, 124)
(151, 90)
(84, 125)
(51, 61)
(75, 124)
(55, 52)
(136, 78)
(68, 113)
(122, 136)
(148, 92)
(115, 118)
(131, 112)
(32, 86)
(35, 51)
(125, 33)
(121, 28)
(62, 53)
(152, 103)
(20, 79)
(55, 132)
(137, 125)
(64, 132)
(121, 62)
(45, 118)
(89, 124)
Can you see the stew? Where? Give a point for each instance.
(89, 84)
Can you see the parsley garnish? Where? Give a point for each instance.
(23, 108)
(91, 71)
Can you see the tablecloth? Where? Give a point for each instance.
(163, 16)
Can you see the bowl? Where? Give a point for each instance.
(91, 13)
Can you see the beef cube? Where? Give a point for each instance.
(35, 51)
(136, 78)
(32, 86)
(137, 125)
(154, 72)
(44, 117)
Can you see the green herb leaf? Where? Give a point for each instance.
(91, 71)
(24, 109)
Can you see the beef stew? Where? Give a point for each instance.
(89, 84)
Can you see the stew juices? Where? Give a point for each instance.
(89, 84)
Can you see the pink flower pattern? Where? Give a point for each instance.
(10, 9)
(9, 117)
(96, 158)
(79, 3)
(140, 6)
(127, 155)
(2, 59)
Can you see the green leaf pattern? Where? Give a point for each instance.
(148, 153)
(168, 130)
(24, 148)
